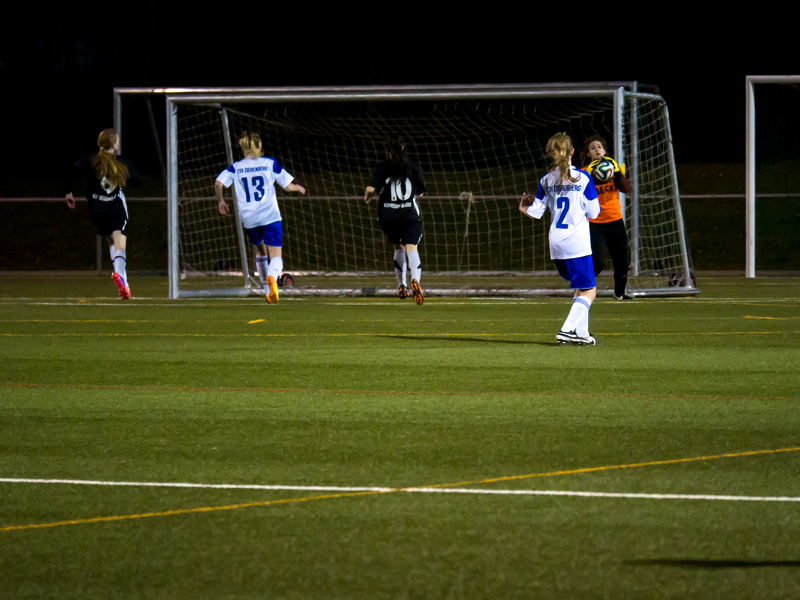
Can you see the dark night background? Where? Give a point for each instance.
(59, 65)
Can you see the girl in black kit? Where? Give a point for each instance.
(399, 182)
(105, 174)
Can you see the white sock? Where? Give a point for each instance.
(120, 260)
(112, 251)
(261, 267)
(583, 326)
(400, 266)
(415, 265)
(275, 267)
(578, 318)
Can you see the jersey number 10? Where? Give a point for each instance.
(398, 194)
(258, 188)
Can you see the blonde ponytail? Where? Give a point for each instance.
(250, 143)
(559, 151)
(106, 167)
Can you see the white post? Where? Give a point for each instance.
(226, 132)
(173, 266)
(750, 151)
(750, 211)
(619, 105)
(633, 175)
(677, 197)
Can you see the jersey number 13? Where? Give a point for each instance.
(258, 188)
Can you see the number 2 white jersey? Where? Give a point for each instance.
(570, 204)
(253, 183)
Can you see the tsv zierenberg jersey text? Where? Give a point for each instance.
(571, 204)
(253, 183)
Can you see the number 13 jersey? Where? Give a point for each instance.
(570, 203)
(253, 182)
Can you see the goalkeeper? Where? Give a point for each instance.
(608, 228)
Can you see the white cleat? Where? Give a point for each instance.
(573, 339)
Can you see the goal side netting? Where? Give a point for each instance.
(478, 151)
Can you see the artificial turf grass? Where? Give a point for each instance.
(401, 545)
(422, 546)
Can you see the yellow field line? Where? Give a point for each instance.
(772, 318)
(612, 467)
(369, 493)
(181, 511)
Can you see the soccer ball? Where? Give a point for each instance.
(604, 171)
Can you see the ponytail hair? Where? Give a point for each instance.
(250, 143)
(585, 149)
(397, 156)
(105, 165)
(559, 149)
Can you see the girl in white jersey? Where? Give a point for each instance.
(254, 177)
(571, 197)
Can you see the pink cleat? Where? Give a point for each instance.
(124, 290)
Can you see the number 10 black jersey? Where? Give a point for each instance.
(398, 197)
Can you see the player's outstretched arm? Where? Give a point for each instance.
(368, 193)
(222, 205)
(70, 200)
(295, 187)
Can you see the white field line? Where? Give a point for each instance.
(218, 486)
(415, 490)
(606, 494)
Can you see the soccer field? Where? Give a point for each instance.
(372, 448)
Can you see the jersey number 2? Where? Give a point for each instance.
(562, 203)
(258, 185)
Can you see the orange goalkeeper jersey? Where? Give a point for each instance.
(610, 209)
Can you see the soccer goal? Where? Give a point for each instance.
(480, 147)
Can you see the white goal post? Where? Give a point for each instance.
(480, 148)
(750, 118)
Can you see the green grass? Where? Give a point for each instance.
(377, 392)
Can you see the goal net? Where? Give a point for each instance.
(479, 148)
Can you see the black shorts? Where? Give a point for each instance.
(109, 217)
(402, 232)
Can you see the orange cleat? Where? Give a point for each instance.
(419, 297)
(272, 290)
